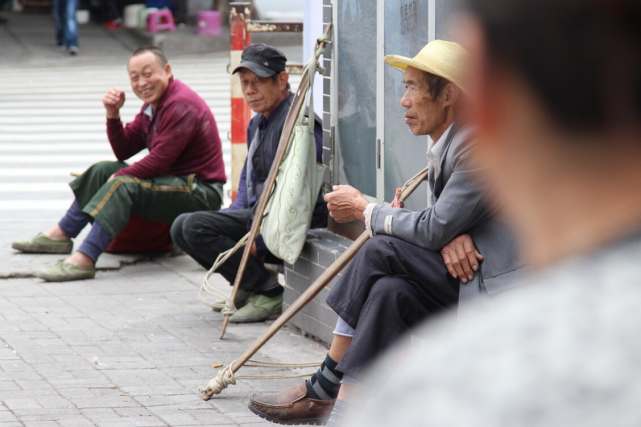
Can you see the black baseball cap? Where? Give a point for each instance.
(262, 59)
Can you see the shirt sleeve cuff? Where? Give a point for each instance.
(367, 213)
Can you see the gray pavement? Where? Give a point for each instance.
(131, 347)
(29, 39)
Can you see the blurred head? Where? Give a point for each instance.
(149, 73)
(263, 79)
(556, 94)
(581, 59)
(434, 86)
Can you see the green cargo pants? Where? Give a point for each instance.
(161, 198)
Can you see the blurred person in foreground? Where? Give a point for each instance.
(183, 171)
(400, 276)
(557, 92)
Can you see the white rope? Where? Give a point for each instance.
(228, 308)
(264, 364)
(226, 376)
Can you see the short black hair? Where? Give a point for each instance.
(275, 78)
(158, 53)
(581, 57)
(435, 84)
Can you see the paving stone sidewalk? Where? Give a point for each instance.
(129, 348)
(132, 346)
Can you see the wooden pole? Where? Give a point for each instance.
(288, 128)
(262, 203)
(305, 298)
(297, 305)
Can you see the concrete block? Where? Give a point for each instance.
(315, 319)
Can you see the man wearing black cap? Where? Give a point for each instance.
(204, 235)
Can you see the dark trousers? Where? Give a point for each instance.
(110, 204)
(204, 235)
(390, 286)
(161, 198)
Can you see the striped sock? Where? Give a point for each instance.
(324, 384)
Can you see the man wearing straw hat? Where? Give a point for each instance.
(557, 104)
(415, 262)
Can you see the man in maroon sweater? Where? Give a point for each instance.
(183, 172)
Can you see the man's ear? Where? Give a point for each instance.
(451, 94)
(168, 69)
(283, 78)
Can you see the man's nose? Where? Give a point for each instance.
(405, 101)
(250, 88)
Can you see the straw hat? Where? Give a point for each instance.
(445, 59)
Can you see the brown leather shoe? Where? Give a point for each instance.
(291, 407)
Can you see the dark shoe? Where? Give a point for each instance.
(258, 308)
(41, 244)
(63, 271)
(291, 407)
(240, 300)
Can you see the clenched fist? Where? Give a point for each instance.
(113, 101)
(345, 203)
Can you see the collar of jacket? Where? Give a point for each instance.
(263, 121)
(170, 89)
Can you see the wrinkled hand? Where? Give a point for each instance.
(113, 101)
(461, 257)
(345, 203)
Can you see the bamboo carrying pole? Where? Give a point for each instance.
(226, 376)
(288, 128)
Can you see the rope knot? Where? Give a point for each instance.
(224, 378)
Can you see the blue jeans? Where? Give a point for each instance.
(64, 19)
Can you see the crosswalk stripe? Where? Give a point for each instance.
(34, 187)
(37, 205)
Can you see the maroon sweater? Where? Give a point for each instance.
(182, 138)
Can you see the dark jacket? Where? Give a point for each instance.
(270, 131)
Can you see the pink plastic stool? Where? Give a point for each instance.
(209, 23)
(160, 20)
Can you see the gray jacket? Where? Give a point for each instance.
(458, 206)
